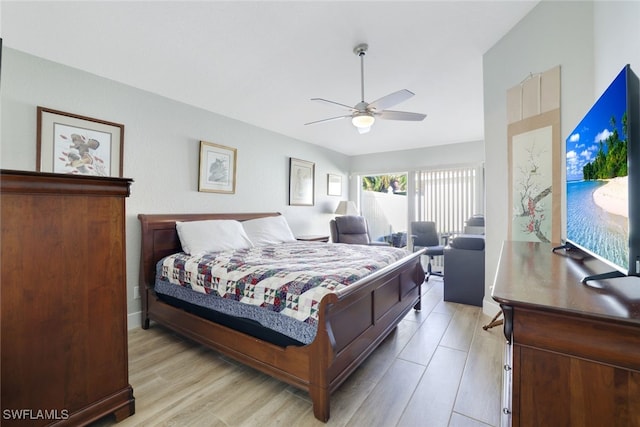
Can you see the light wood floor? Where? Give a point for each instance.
(438, 368)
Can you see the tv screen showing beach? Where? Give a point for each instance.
(597, 178)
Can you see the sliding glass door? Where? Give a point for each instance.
(448, 196)
(383, 202)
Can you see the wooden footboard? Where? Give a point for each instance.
(352, 322)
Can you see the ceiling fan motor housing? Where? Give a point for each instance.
(361, 49)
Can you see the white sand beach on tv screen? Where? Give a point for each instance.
(613, 196)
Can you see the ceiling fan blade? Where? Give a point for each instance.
(400, 115)
(333, 102)
(328, 120)
(391, 100)
(364, 130)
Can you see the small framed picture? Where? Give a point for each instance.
(301, 182)
(334, 185)
(72, 144)
(217, 168)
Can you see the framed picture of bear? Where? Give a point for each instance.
(217, 168)
(72, 144)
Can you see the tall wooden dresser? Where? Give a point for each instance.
(63, 299)
(573, 352)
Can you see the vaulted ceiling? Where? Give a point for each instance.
(262, 61)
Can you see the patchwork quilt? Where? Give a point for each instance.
(288, 279)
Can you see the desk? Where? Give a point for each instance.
(573, 351)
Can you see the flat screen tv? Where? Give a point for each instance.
(603, 179)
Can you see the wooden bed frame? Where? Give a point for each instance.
(352, 322)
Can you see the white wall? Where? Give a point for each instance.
(161, 149)
(464, 153)
(591, 41)
(616, 40)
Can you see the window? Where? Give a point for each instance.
(449, 196)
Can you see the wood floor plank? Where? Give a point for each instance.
(458, 420)
(432, 297)
(385, 404)
(426, 340)
(435, 395)
(235, 400)
(482, 376)
(166, 399)
(346, 401)
(195, 413)
(438, 364)
(194, 418)
(281, 409)
(461, 329)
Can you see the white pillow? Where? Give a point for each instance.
(197, 237)
(271, 230)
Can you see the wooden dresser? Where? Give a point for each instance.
(63, 299)
(573, 352)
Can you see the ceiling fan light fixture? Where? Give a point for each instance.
(363, 120)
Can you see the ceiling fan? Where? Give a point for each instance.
(364, 114)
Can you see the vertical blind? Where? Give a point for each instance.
(449, 196)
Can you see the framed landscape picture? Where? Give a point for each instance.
(301, 182)
(217, 168)
(72, 144)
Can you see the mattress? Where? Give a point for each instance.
(276, 288)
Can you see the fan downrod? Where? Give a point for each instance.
(361, 49)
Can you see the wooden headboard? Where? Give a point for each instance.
(160, 238)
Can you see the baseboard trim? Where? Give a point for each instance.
(134, 320)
